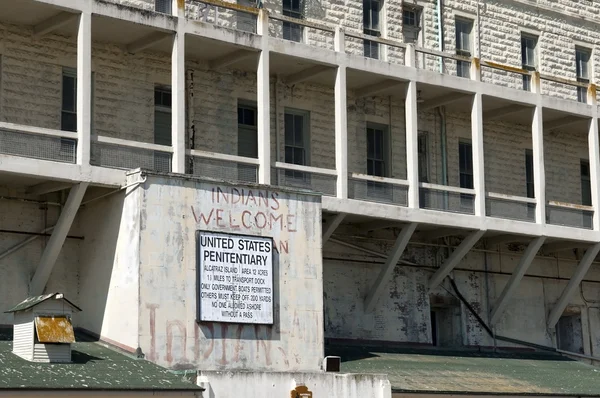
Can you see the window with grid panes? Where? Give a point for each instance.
(293, 9)
(529, 183)
(465, 162)
(371, 26)
(411, 21)
(422, 148)
(247, 140)
(296, 143)
(586, 191)
(162, 126)
(582, 65)
(378, 160)
(463, 29)
(163, 6)
(68, 121)
(528, 58)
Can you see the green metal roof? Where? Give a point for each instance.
(460, 372)
(94, 367)
(30, 302)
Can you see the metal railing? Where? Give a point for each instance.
(446, 198)
(124, 154)
(378, 189)
(510, 207)
(315, 179)
(38, 143)
(221, 166)
(569, 214)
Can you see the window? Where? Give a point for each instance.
(296, 142)
(586, 192)
(54, 329)
(528, 58)
(569, 333)
(529, 186)
(411, 23)
(246, 22)
(162, 126)
(465, 161)
(293, 9)
(68, 120)
(582, 65)
(163, 6)
(247, 139)
(422, 149)
(464, 27)
(378, 156)
(371, 26)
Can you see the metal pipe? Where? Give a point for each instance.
(40, 202)
(440, 31)
(191, 115)
(12, 231)
(277, 132)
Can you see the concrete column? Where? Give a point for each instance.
(263, 101)
(341, 120)
(477, 147)
(84, 87)
(412, 133)
(594, 149)
(178, 91)
(537, 141)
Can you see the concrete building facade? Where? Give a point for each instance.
(434, 164)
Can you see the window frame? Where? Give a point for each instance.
(161, 108)
(386, 150)
(463, 67)
(466, 200)
(582, 91)
(168, 7)
(291, 31)
(70, 73)
(305, 115)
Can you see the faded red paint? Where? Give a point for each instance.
(152, 355)
(183, 331)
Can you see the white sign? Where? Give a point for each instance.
(235, 278)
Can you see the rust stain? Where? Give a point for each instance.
(229, 6)
(505, 67)
(592, 90)
(180, 4)
(54, 329)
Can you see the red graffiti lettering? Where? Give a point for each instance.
(275, 205)
(232, 223)
(206, 220)
(284, 247)
(291, 223)
(183, 332)
(274, 219)
(152, 354)
(220, 218)
(244, 214)
(263, 220)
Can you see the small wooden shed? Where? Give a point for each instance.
(43, 331)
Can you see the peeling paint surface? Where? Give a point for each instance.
(54, 329)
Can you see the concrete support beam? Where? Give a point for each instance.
(331, 225)
(439, 233)
(48, 187)
(412, 133)
(341, 121)
(594, 155)
(57, 239)
(178, 97)
(515, 278)
(501, 239)
(388, 267)
(454, 258)
(477, 148)
(377, 88)
(305, 74)
(84, 88)
(147, 42)
(504, 111)
(562, 122)
(229, 59)
(263, 101)
(54, 22)
(441, 101)
(573, 284)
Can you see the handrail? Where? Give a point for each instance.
(222, 156)
(230, 6)
(18, 128)
(511, 198)
(506, 68)
(571, 206)
(306, 169)
(376, 39)
(563, 81)
(132, 144)
(387, 180)
(443, 54)
(447, 188)
(303, 22)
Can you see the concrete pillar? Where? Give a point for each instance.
(537, 141)
(84, 87)
(263, 101)
(412, 133)
(594, 149)
(478, 162)
(341, 120)
(178, 91)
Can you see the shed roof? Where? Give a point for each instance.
(94, 366)
(30, 302)
(462, 372)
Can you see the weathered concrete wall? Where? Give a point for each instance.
(402, 312)
(331, 385)
(172, 210)
(17, 268)
(109, 267)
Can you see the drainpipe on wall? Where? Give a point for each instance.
(277, 132)
(439, 6)
(191, 116)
